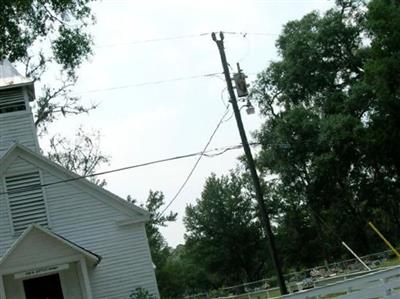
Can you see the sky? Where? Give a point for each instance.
(137, 44)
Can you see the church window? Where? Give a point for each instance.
(26, 201)
(12, 100)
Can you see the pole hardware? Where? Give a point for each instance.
(240, 83)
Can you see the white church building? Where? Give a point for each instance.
(60, 237)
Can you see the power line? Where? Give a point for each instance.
(244, 34)
(182, 37)
(148, 83)
(154, 40)
(196, 163)
(221, 150)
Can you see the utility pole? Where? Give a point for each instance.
(252, 167)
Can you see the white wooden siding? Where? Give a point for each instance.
(126, 262)
(89, 222)
(17, 127)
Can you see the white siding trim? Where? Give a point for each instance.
(86, 280)
(52, 262)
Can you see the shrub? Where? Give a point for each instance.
(141, 293)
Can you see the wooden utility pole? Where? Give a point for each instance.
(252, 167)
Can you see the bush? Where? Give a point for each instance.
(141, 293)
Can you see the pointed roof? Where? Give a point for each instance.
(9, 76)
(110, 198)
(56, 240)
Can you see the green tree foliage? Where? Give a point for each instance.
(331, 134)
(141, 293)
(43, 34)
(160, 251)
(49, 37)
(181, 275)
(158, 246)
(223, 238)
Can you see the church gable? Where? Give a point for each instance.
(37, 246)
(29, 172)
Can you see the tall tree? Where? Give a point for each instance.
(223, 237)
(158, 246)
(332, 122)
(42, 33)
(51, 37)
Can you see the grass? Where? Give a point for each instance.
(390, 263)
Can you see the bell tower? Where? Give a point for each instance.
(16, 119)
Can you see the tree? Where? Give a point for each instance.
(160, 251)
(50, 36)
(158, 246)
(42, 33)
(330, 136)
(141, 293)
(82, 156)
(223, 237)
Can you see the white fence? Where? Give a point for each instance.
(380, 284)
(375, 285)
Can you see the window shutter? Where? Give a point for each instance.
(12, 100)
(25, 197)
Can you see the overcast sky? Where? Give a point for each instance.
(154, 121)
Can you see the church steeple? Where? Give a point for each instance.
(16, 119)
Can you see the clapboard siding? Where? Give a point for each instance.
(6, 232)
(20, 166)
(17, 127)
(90, 222)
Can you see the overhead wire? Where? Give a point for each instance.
(243, 34)
(182, 37)
(221, 150)
(147, 83)
(195, 164)
(153, 40)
